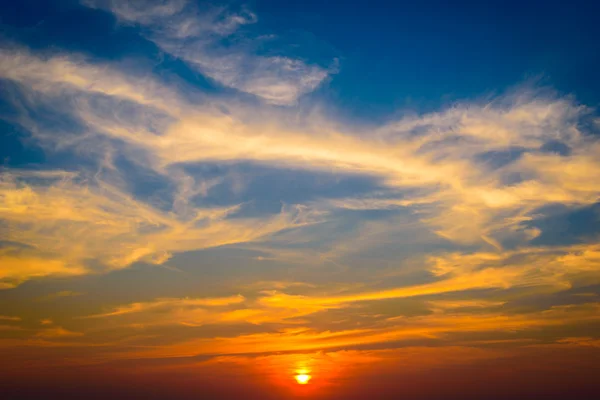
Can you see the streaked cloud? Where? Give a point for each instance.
(396, 331)
(580, 341)
(9, 318)
(61, 223)
(550, 269)
(170, 304)
(57, 332)
(60, 295)
(208, 39)
(18, 267)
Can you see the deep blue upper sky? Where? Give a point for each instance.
(391, 54)
(395, 52)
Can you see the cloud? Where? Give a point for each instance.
(57, 333)
(171, 303)
(580, 341)
(457, 304)
(18, 266)
(451, 303)
(140, 11)
(553, 269)
(63, 223)
(97, 212)
(435, 326)
(59, 295)
(433, 165)
(9, 318)
(195, 312)
(65, 74)
(209, 41)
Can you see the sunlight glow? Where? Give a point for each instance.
(302, 379)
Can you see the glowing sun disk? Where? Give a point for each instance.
(302, 378)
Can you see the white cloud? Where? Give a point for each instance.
(195, 35)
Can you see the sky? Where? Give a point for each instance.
(299, 199)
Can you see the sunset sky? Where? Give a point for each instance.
(299, 199)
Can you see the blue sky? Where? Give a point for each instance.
(270, 189)
(394, 54)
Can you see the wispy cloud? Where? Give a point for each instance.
(62, 223)
(432, 165)
(57, 333)
(554, 269)
(60, 295)
(9, 318)
(208, 38)
(397, 330)
(522, 274)
(170, 304)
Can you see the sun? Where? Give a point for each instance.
(302, 379)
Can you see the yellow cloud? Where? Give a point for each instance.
(15, 269)
(432, 326)
(553, 268)
(64, 223)
(57, 333)
(455, 304)
(171, 303)
(9, 318)
(542, 270)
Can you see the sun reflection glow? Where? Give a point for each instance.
(302, 379)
